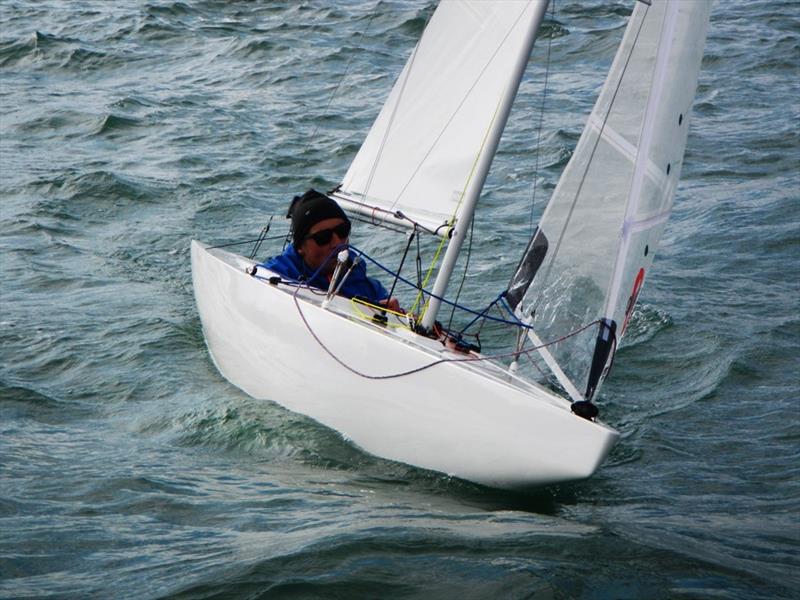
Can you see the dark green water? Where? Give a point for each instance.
(130, 469)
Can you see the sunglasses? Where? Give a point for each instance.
(324, 236)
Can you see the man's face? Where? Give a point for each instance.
(314, 253)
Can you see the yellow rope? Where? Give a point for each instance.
(356, 301)
(430, 269)
(453, 217)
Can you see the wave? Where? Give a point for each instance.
(15, 51)
(262, 429)
(110, 124)
(10, 392)
(552, 29)
(106, 186)
(20, 401)
(52, 51)
(170, 9)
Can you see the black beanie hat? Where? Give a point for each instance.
(308, 210)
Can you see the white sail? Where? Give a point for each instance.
(424, 148)
(598, 235)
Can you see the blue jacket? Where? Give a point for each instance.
(290, 266)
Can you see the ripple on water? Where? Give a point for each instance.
(132, 468)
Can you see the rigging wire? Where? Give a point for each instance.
(464, 274)
(424, 367)
(261, 239)
(411, 237)
(361, 36)
(311, 139)
(541, 116)
(252, 241)
(588, 164)
(305, 282)
(483, 316)
(535, 176)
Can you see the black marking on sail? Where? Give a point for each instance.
(602, 351)
(532, 259)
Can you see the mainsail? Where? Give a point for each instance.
(597, 237)
(423, 150)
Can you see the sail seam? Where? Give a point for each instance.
(642, 224)
(625, 148)
(456, 111)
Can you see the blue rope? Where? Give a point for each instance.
(511, 312)
(483, 314)
(478, 314)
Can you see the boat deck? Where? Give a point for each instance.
(397, 328)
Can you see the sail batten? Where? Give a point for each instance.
(654, 99)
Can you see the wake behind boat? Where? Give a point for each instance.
(402, 387)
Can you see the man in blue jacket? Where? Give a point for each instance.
(319, 226)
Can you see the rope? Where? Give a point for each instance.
(403, 318)
(464, 274)
(483, 314)
(341, 80)
(426, 366)
(258, 239)
(424, 283)
(440, 298)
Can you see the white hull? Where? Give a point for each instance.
(471, 420)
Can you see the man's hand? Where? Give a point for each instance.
(391, 304)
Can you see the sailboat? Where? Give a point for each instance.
(388, 385)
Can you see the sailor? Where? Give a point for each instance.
(320, 228)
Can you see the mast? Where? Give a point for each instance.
(476, 182)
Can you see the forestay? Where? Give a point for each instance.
(423, 149)
(598, 235)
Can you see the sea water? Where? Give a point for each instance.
(129, 468)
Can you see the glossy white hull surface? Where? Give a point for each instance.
(470, 420)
